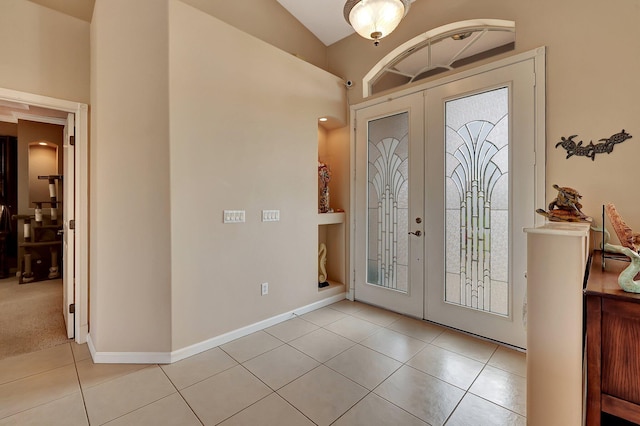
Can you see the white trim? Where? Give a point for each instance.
(82, 178)
(538, 54)
(351, 275)
(540, 157)
(38, 100)
(127, 357)
(177, 355)
(39, 118)
(81, 263)
(455, 27)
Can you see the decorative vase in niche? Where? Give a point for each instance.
(324, 175)
(324, 199)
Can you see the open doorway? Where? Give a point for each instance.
(31, 246)
(40, 214)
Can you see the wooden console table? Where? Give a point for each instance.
(613, 345)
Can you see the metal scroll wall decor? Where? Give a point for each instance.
(590, 151)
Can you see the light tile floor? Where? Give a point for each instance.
(346, 364)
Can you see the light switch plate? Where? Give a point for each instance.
(233, 216)
(270, 215)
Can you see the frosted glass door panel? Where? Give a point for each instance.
(388, 204)
(480, 178)
(477, 201)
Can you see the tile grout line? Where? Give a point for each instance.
(274, 391)
(39, 372)
(468, 390)
(369, 392)
(144, 405)
(84, 401)
(179, 392)
(44, 372)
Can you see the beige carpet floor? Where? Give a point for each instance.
(30, 316)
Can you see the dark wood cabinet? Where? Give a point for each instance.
(613, 345)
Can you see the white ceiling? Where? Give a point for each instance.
(324, 18)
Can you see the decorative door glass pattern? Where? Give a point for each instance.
(388, 202)
(477, 201)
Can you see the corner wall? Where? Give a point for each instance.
(244, 136)
(130, 244)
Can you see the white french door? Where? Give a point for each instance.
(389, 205)
(454, 163)
(480, 194)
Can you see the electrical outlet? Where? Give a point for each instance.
(264, 288)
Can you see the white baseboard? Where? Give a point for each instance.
(177, 355)
(127, 357)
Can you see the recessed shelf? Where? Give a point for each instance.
(332, 284)
(331, 218)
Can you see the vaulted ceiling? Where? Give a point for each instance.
(323, 18)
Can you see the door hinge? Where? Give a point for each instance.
(72, 308)
(72, 140)
(72, 224)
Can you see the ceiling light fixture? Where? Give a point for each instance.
(375, 19)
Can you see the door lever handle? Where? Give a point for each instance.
(417, 233)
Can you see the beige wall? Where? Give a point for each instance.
(43, 51)
(30, 132)
(43, 161)
(8, 129)
(130, 234)
(268, 21)
(593, 59)
(249, 145)
(243, 136)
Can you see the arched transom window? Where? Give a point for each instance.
(439, 50)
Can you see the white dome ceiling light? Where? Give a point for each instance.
(375, 19)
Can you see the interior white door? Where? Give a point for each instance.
(389, 195)
(480, 187)
(68, 208)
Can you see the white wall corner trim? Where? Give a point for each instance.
(127, 357)
(171, 357)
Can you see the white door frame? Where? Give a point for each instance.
(409, 301)
(539, 57)
(81, 258)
